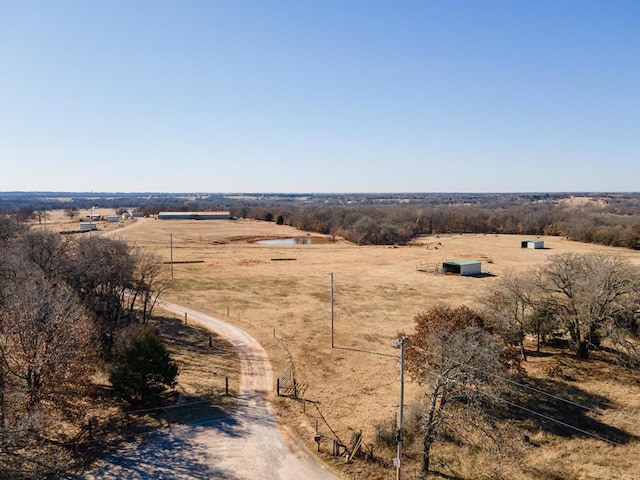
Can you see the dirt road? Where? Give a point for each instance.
(246, 444)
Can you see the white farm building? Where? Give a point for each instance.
(194, 216)
(535, 244)
(88, 226)
(462, 267)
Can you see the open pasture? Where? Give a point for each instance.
(281, 295)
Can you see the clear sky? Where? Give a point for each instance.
(320, 95)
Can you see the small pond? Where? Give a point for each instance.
(295, 241)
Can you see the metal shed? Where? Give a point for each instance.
(532, 244)
(462, 267)
(88, 226)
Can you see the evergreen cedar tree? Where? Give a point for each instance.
(143, 371)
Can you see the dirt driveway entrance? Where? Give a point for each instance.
(246, 444)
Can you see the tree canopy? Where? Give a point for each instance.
(63, 301)
(461, 362)
(592, 296)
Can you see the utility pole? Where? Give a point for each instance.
(171, 253)
(400, 432)
(331, 276)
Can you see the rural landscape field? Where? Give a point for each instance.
(319, 240)
(281, 295)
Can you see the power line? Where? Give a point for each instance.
(364, 390)
(560, 422)
(524, 386)
(542, 415)
(344, 291)
(513, 382)
(507, 380)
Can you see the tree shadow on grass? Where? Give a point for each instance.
(192, 408)
(629, 363)
(569, 412)
(179, 336)
(439, 474)
(540, 354)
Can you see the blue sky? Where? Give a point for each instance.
(320, 96)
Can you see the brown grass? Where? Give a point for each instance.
(378, 291)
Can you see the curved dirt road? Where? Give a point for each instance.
(246, 444)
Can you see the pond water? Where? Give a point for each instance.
(295, 241)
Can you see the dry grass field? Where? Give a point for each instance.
(280, 294)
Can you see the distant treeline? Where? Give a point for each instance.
(395, 219)
(388, 219)
(400, 224)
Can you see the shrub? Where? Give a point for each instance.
(143, 371)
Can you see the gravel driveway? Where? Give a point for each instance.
(247, 443)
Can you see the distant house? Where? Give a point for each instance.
(113, 218)
(532, 244)
(88, 226)
(462, 267)
(194, 216)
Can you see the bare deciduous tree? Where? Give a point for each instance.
(461, 362)
(46, 341)
(589, 294)
(42, 216)
(71, 212)
(45, 249)
(148, 283)
(509, 303)
(101, 271)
